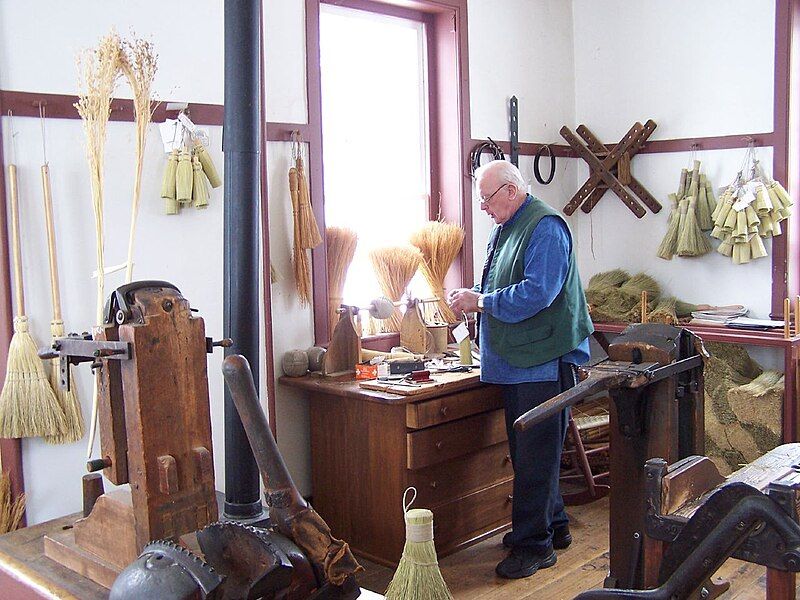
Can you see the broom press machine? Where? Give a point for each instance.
(654, 375)
(155, 428)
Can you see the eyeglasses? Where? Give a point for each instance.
(484, 201)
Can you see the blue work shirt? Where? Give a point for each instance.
(546, 265)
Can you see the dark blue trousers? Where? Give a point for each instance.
(536, 456)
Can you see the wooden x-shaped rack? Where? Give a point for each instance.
(605, 172)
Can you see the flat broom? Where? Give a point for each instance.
(28, 405)
(73, 425)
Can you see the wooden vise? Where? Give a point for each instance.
(654, 375)
(155, 429)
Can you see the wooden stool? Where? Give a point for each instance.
(580, 469)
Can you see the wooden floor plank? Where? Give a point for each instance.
(470, 572)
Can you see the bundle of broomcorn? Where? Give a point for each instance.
(615, 297)
(742, 408)
(748, 212)
(439, 243)
(188, 172)
(341, 247)
(11, 509)
(690, 216)
(306, 231)
(394, 268)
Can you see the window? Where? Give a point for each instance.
(376, 136)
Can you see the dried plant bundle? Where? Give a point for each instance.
(11, 509)
(138, 62)
(394, 268)
(309, 230)
(439, 243)
(300, 262)
(341, 244)
(669, 245)
(98, 70)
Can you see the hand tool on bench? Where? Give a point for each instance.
(596, 146)
(599, 169)
(654, 375)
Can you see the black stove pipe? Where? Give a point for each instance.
(241, 144)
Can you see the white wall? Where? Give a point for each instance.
(697, 69)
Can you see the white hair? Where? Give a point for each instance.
(505, 171)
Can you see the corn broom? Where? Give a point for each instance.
(199, 191)
(669, 245)
(394, 268)
(439, 243)
(341, 244)
(168, 184)
(184, 178)
(309, 230)
(302, 268)
(68, 400)
(28, 405)
(418, 576)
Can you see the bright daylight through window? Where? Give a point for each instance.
(375, 135)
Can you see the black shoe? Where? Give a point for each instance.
(524, 562)
(561, 538)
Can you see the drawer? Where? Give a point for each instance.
(443, 442)
(452, 407)
(446, 481)
(467, 517)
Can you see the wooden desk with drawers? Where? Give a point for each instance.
(368, 446)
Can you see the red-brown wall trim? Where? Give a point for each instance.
(381, 8)
(10, 449)
(785, 246)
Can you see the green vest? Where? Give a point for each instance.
(553, 331)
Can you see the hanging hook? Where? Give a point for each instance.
(42, 116)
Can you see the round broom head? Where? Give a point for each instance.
(394, 267)
(439, 243)
(68, 399)
(168, 181)
(184, 178)
(669, 245)
(199, 191)
(28, 405)
(418, 576)
(208, 165)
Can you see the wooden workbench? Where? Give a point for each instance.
(367, 446)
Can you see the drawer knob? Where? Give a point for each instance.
(510, 497)
(439, 445)
(444, 410)
(434, 484)
(507, 459)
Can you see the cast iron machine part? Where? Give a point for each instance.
(654, 375)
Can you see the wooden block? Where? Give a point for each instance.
(344, 350)
(687, 482)
(108, 532)
(413, 333)
(111, 413)
(61, 547)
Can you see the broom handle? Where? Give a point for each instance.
(15, 247)
(51, 242)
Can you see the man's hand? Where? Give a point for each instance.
(463, 300)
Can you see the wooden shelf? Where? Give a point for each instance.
(771, 339)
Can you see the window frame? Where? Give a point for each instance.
(449, 130)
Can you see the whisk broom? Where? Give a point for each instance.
(73, 417)
(309, 230)
(418, 576)
(302, 269)
(439, 243)
(28, 406)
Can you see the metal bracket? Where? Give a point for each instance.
(513, 125)
(75, 349)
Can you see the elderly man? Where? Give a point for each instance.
(533, 329)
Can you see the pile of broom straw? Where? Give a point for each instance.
(439, 243)
(743, 407)
(616, 297)
(692, 207)
(11, 509)
(394, 267)
(748, 212)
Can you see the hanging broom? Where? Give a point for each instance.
(309, 230)
(138, 62)
(394, 268)
(418, 576)
(199, 190)
(168, 184)
(302, 268)
(28, 406)
(691, 241)
(669, 245)
(208, 165)
(184, 177)
(11, 510)
(439, 243)
(99, 69)
(341, 245)
(73, 416)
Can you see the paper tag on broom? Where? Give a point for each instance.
(460, 333)
(169, 135)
